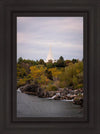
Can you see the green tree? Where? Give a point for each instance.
(49, 64)
(60, 62)
(20, 60)
(74, 61)
(41, 61)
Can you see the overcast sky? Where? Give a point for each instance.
(36, 34)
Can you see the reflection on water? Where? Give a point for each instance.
(33, 106)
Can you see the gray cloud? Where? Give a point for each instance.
(36, 34)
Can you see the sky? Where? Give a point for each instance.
(35, 35)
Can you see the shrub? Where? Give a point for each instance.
(51, 88)
(21, 82)
(72, 76)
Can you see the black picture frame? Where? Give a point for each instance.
(90, 123)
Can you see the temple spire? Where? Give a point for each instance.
(50, 56)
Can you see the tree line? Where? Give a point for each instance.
(51, 75)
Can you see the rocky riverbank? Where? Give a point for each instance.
(60, 94)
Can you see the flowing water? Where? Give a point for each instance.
(33, 106)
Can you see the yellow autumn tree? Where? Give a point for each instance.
(37, 71)
(55, 72)
(43, 80)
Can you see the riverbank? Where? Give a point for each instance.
(59, 94)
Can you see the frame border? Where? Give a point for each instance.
(92, 125)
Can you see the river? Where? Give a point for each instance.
(33, 106)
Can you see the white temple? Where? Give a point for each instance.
(50, 56)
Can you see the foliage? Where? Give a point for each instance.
(48, 74)
(61, 73)
(21, 72)
(41, 61)
(21, 82)
(51, 87)
(49, 64)
(37, 71)
(55, 72)
(20, 60)
(74, 61)
(67, 62)
(60, 62)
(73, 76)
(43, 80)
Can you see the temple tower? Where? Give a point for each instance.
(50, 56)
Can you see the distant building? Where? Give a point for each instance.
(50, 56)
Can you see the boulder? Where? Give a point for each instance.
(71, 96)
(29, 88)
(57, 98)
(50, 93)
(78, 100)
